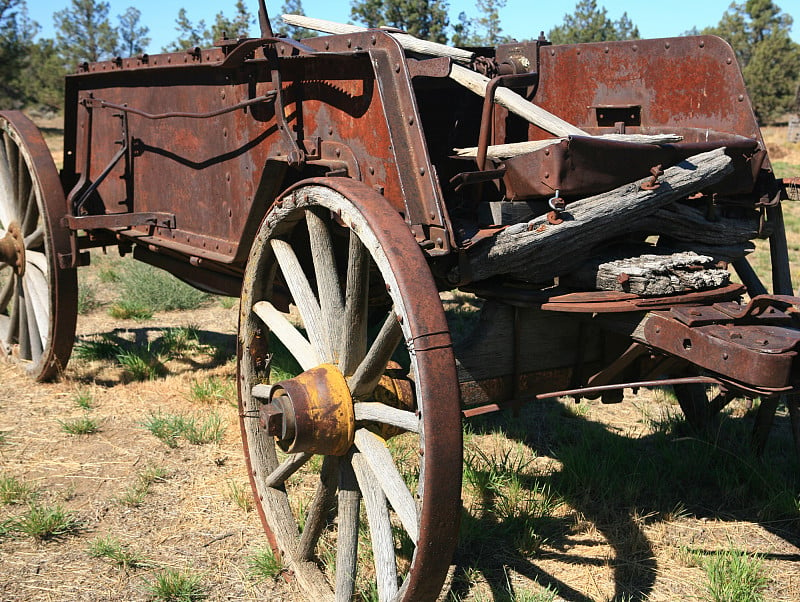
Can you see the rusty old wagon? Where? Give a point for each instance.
(592, 195)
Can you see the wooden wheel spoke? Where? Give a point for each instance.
(377, 455)
(374, 363)
(286, 469)
(354, 341)
(12, 157)
(303, 295)
(35, 281)
(5, 292)
(327, 275)
(320, 507)
(6, 187)
(380, 528)
(24, 184)
(32, 322)
(383, 414)
(305, 353)
(31, 217)
(13, 322)
(22, 323)
(35, 240)
(347, 534)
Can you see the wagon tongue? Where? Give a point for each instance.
(752, 347)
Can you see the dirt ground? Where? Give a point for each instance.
(190, 520)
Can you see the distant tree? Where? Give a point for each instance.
(464, 31)
(16, 35)
(190, 35)
(43, 82)
(281, 28)
(426, 19)
(238, 27)
(488, 31)
(590, 23)
(84, 33)
(758, 31)
(134, 38)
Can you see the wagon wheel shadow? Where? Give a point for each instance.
(213, 349)
(620, 519)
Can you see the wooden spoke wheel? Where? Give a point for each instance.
(38, 300)
(355, 462)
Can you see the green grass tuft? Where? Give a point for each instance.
(120, 555)
(44, 522)
(179, 340)
(196, 429)
(85, 425)
(228, 302)
(213, 390)
(134, 495)
(201, 430)
(130, 309)
(14, 491)
(241, 495)
(84, 400)
(143, 363)
(172, 585)
(264, 565)
(103, 348)
(734, 576)
(166, 427)
(156, 289)
(87, 298)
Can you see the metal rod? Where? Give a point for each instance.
(245, 103)
(494, 407)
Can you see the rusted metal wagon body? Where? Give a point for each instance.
(318, 181)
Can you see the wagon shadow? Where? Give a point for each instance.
(617, 485)
(207, 350)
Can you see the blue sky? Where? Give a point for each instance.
(520, 18)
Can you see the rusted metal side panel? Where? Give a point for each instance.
(219, 174)
(691, 82)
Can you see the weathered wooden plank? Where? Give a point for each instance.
(690, 224)
(407, 41)
(471, 80)
(648, 275)
(513, 149)
(538, 250)
(515, 103)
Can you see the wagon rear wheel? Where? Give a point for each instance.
(355, 462)
(38, 300)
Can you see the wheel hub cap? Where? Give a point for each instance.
(312, 412)
(12, 248)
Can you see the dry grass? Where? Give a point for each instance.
(199, 520)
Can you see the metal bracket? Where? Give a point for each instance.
(119, 221)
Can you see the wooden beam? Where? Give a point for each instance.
(513, 149)
(466, 77)
(538, 250)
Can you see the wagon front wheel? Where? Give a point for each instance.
(38, 299)
(349, 398)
